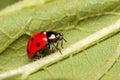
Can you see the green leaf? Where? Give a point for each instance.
(91, 28)
(5, 3)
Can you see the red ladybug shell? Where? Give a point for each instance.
(36, 43)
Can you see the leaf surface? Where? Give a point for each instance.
(78, 20)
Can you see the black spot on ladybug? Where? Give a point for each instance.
(37, 44)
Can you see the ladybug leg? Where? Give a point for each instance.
(36, 58)
(65, 40)
(40, 54)
(51, 48)
(62, 44)
(57, 48)
(57, 44)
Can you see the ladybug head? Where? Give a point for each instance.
(54, 36)
(59, 36)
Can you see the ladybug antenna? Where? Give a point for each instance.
(64, 38)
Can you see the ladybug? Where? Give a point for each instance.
(41, 39)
